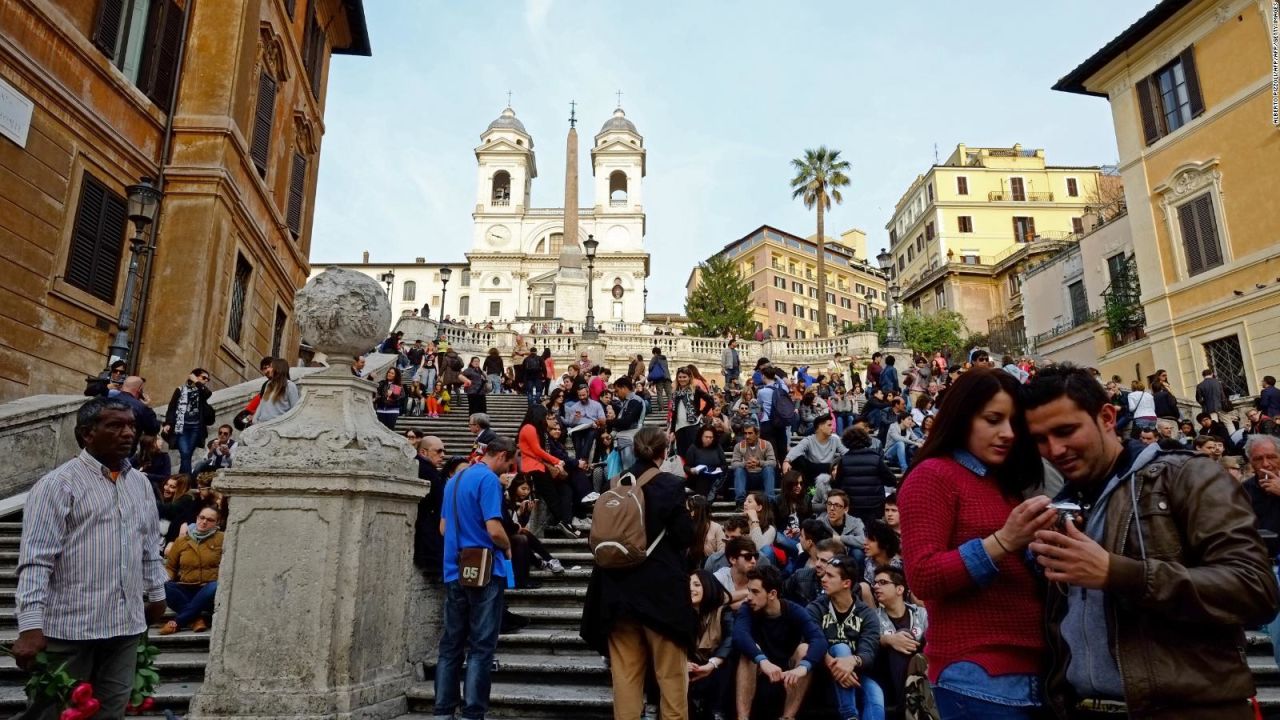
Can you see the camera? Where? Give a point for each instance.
(1068, 512)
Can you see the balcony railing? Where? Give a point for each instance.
(1064, 328)
(501, 202)
(618, 203)
(1007, 196)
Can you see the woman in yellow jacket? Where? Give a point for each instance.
(192, 563)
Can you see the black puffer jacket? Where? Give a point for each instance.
(863, 475)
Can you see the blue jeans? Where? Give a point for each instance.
(495, 384)
(768, 476)
(954, 706)
(898, 453)
(188, 441)
(533, 391)
(869, 698)
(189, 601)
(472, 618)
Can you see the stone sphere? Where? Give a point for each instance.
(343, 313)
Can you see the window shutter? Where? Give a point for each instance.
(1149, 106)
(1200, 235)
(263, 120)
(962, 186)
(162, 64)
(1031, 228)
(290, 6)
(1073, 189)
(928, 232)
(97, 241)
(1016, 189)
(313, 53)
(1191, 238)
(297, 190)
(105, 36)
(1188, 59)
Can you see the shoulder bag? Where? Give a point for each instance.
(475, 564)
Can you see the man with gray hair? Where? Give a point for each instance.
(1263, 483)
(479, 424)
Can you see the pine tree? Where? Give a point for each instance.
(721, 303)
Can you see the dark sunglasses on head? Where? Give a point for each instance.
(840, 561)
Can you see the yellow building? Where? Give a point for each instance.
(781, 270)
(963, 232)
(1191, 95)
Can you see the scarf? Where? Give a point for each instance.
(685, 398)
(184, 404)
(198, 537)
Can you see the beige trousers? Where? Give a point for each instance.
(631, 649)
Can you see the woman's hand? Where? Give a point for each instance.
(1020, 527)
(753, 515)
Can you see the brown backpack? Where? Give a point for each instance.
(618, 538)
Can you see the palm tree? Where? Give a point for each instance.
(819, 176)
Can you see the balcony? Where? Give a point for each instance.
(1064, 328)
(1007, 196)
(618, 203)
(501, 202)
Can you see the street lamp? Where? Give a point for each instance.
(589, 331)
(144, 203)
(389, 277)
(445, 274)
(893, 336)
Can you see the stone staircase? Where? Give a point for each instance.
(544, 671)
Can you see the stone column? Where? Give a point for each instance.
(313, 596)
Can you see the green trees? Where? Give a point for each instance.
(819, 176)
(721, 303)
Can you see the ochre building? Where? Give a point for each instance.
(1190, 88)
(221, 103)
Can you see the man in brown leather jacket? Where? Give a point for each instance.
(1150, 593)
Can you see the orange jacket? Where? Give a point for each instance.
(533, 458)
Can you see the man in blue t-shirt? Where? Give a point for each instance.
(471, 517)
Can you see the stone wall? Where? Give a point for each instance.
(38, 433)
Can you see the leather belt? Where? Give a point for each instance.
(1102, 705)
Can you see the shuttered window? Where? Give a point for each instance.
(1024, 229)
(1170, 97)
(239, 297)
(97, 242)
(1016, 189)
(277, 332)
(928, 232)
(1077, 225)
(143, 38)
(313, 53)
(1079, 303)
(966, 223)
(297, 193)
(962, 186)
(1200, 239)
(263, 120)
(290, 6)
(1073, 188)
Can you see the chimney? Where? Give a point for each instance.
(365, 259)
(420, 260)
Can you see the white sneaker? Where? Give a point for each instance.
(554, 566)
(590, 498)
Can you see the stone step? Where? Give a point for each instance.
(549, 595)
(174, 696)
(175, 666)
(522, 700)
(181, 641)
(545, 669)
(559, 638)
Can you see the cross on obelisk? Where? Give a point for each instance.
(573, 114)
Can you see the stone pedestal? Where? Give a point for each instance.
(314, 589)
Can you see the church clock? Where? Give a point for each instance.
(498, 235)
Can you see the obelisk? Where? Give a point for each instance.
(571, 181)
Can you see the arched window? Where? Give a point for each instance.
(557, 243)
(410, 291)
(464, 306)
(541, 247)
(618, 188)
(502, 188)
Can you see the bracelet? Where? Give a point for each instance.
(1002, 547)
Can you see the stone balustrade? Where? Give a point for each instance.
(616, 349)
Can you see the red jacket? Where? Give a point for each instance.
(999, 627)
(533, 458)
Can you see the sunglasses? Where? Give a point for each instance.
(748, 556)
(840, 561)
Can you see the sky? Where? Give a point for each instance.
(725, 95)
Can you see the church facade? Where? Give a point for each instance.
(527, 262)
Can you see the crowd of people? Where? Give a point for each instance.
(933, 539)
(880, 520)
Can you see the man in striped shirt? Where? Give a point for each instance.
(90, 573)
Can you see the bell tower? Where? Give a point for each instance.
(505, 169)
(618, 164)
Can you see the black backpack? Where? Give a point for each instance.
(533, 366)
(784, 408)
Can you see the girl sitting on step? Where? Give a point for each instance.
(415, 403)
(438, 401)
(525, 546)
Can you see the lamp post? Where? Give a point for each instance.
(144, 203)
(589, 331)
(389, 277)
(445, 274)
(893, 336)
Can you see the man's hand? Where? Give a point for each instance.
(902, 642)
(698, 672)
(771, 671)
(1268, 482)
(793, 676)
(29, 644)
(1072, 558)
(155, 612)
(786, 467)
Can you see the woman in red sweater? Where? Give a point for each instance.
(965, 530)
(540, 466)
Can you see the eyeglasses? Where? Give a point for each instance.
(205, 518)
(836, 505)
(882, 583)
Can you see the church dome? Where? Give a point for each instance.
(619, 121)
(508, 121)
